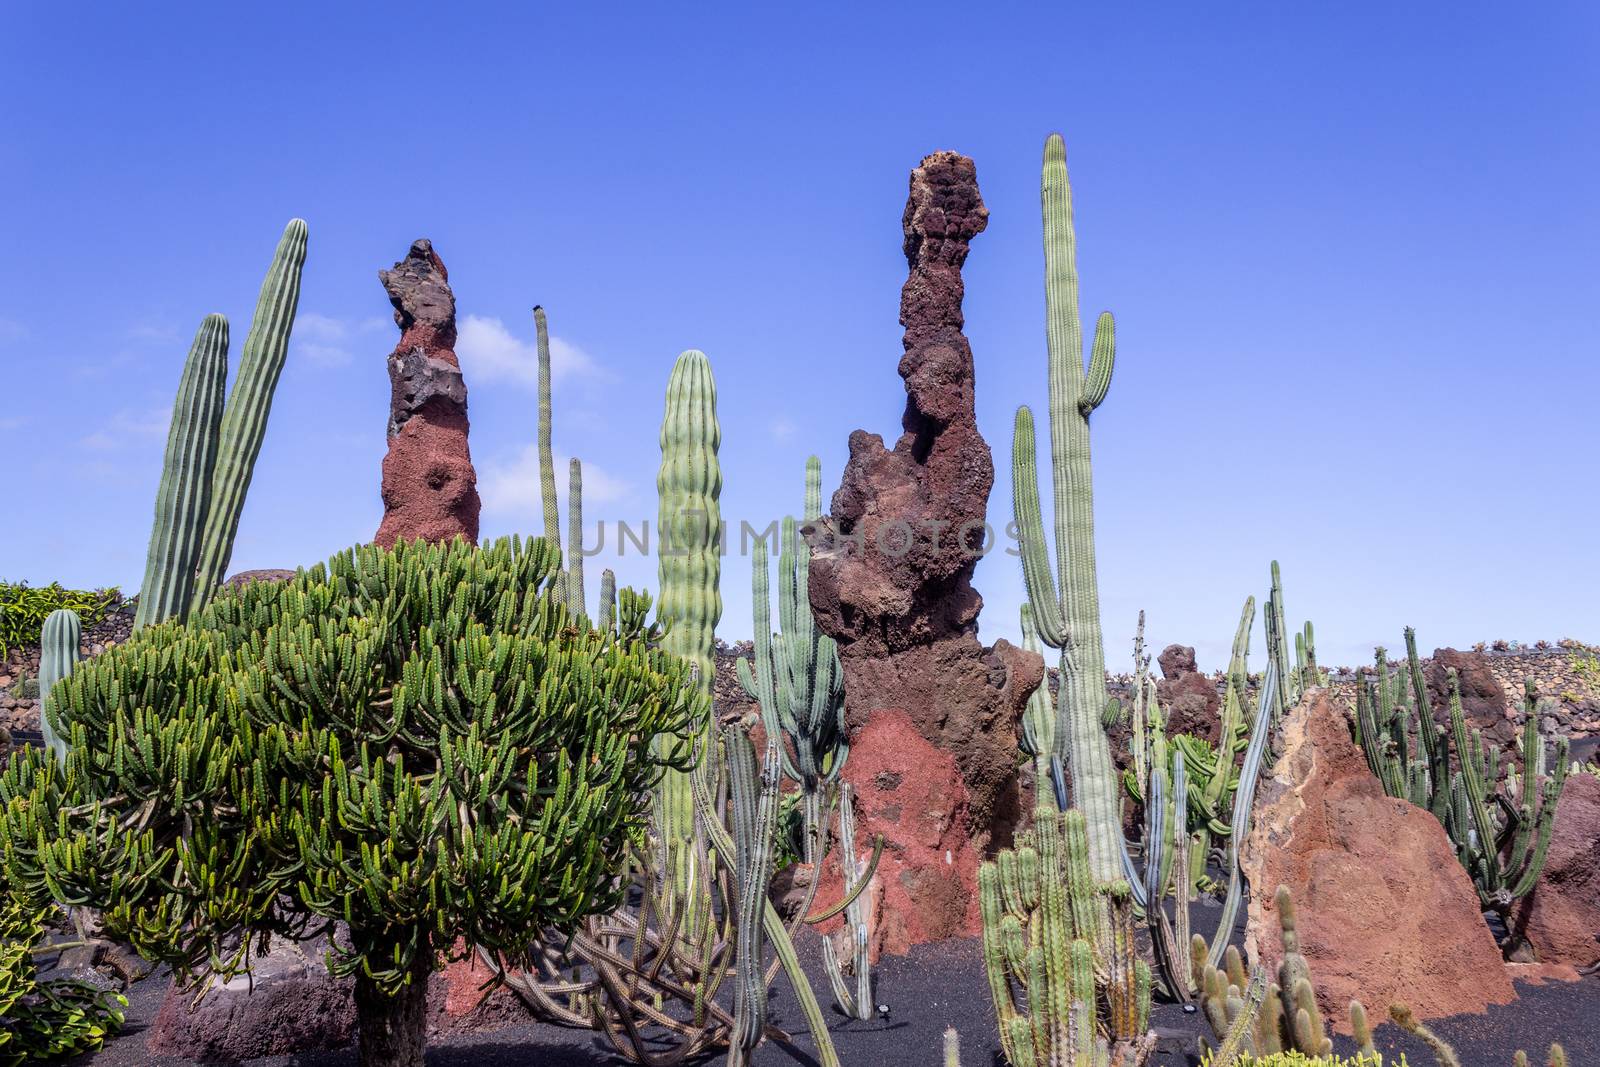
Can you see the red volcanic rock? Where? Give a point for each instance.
(430, 490)
(1385, 912)
(1483, 700)
(913, 794)
(1561, 917)
(1188, 697)
(891, 573)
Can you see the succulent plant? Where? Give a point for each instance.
(1065, 605)
(58, 656)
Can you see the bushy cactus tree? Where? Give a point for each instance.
(415, 742)
(1065, 605)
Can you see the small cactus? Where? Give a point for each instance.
(58, 655)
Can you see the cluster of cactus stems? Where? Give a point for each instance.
(1068, 986)
(1065, 606)
(1500, 824)
(1305, 659)
(1185, 787)
(1303, 674)
(648, 974)
(571, 590)
(1257, 1022)
(798, 683)
(212, 446)
(689, 568)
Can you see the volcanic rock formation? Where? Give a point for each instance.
(1189, 698)
(1386, 913)
(891, 573)
(1561, 917)
(430, 490)
(1483, 700)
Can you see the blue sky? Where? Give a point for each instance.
(1350, 250)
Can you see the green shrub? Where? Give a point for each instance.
(417, 742)
(23, 609)
(49, 1019)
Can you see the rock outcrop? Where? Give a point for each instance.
(891, 574)
(1385, 910)
(430, 489)
(1483, 699)
(1561, 917)
(1189, 698)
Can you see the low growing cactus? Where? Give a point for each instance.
(414, 742)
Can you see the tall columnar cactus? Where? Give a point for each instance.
(576, 601)
(753, 804)
(1056, 944)
(1278, 644)
(244, 420)
(185, 491)
(689, 565)
(547, 463)
(798, 684)
(58, 655)
(1066, 606)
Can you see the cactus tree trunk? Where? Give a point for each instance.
(1066, 605)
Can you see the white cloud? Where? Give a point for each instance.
(490, 352)
(152, 333)
(125, 424)
(327, 341)
(513, 487)
(11, 330)
(781, 428)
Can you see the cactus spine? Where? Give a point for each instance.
(58, 655)
(244, 420)
(185, 491)
(1066, 606)
(689, 566)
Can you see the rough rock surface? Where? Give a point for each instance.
(913, 794)
(891, 577)
(269, 574)
(1561, 917)
(430, 489)
(1385, 911)
(1188, 697)
(1483, 700)
(292, 1004)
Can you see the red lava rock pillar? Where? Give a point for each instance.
(933, 753)
(430, 490)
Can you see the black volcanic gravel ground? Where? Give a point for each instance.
(938, 986)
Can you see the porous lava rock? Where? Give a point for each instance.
(289, 1004)
(266, 574)
(1385, 912)
(912, 793)
(1483, 698)
(1561, 917)
(891, 573)
(1188, 697)
(430, 490)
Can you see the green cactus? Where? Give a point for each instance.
(184, 495)
(952, 1047)
(547, 467)
(688, 532)
(753, 806)
(1278, 646)
(798, 683)
(1066, 606)
(58, 655)
(576, 600)
(244, 419)
(1501, 830)
(1055, 945)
